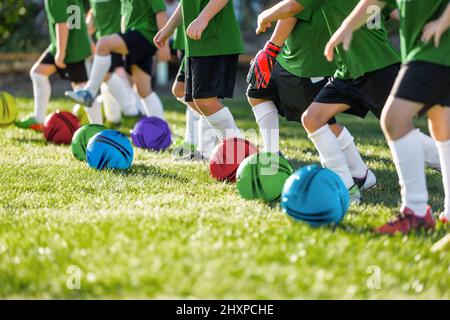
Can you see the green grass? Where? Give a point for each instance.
(167, 230)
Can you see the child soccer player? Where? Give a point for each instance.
(298, 75)
(422, 87)
(142, 19)
(104, 19)
(362, 82)
(68, 50)
(214, 43)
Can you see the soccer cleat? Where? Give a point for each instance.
(81, 96)
(368, 182)
(30, 123)
(444, 218)
(408, 221)
(355, 194)
(192, 157)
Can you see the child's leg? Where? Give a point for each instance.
(150, 100)
(95, 112)
(439, 123)
(192, 116)
(408, 155)
(266, 115)
(315, 120)
(102, 60)
(111, 107)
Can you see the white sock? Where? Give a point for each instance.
(153, 106)
(139, 103)
(207, 138)
(357, 167)
(120, 91)
(111, 107)
(444, 153)
(191, 131)
(41, 91)
(223, 123)
(266, 115)
(99, 70)
(95, 113)
(410, 163)
(331, 154)
(430, 150)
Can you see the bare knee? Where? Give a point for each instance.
(103, 47)
(312, 121)
(178, 90)
(208, 106)
(254, 102)
(397, 120)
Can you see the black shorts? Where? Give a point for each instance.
(423, 82)
(291, 94)
(367, 93)
(209, 77)
(117, 61)
(140, 51)
(75, 72)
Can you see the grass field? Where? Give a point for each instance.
(167, 230)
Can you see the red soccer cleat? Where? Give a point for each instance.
(443, 218)
(408, 221)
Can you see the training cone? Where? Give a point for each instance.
(315, 195)
(8, 109)
(60, 126)
(227, 156)
(262, 176)
(109, 149)
(81, 139)
(151, 133)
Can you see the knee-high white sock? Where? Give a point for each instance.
(356, 164)
(429, 150)
(120, 91)
(331, 154)
(153, 106)
(41, 91)
(266, 115)
(139, 103)
(207, 138)
(223, 123)
(111, 107)
(410, 163)
(191, 131)
(444, 154)
(99, 70)
(95, 113)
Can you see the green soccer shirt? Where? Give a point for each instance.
(415, 14)
(179, 38)
(78, 44)
(302, 53)
(107, 16)
(140, 15)
(371, 49)
(222, 36)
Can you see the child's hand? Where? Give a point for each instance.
(59, 59)
(262, 24)
(343, 36)
(161, 37)
(196, 28)
(435, 29)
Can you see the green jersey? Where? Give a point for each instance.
(415, 14)
(302, 53)
(107, 16)
(371, 49)
(179, 38)
(222, 36)
(140, 15)
(67, 11)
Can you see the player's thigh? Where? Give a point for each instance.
(112, 43)
(397, 117)
(43, 68)
(319, 114)
(142, 80)
(439, 123)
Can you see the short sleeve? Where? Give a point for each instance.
(158, 6)
(58, 10)
(310, 4)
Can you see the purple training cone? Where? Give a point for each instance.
(151, 133)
